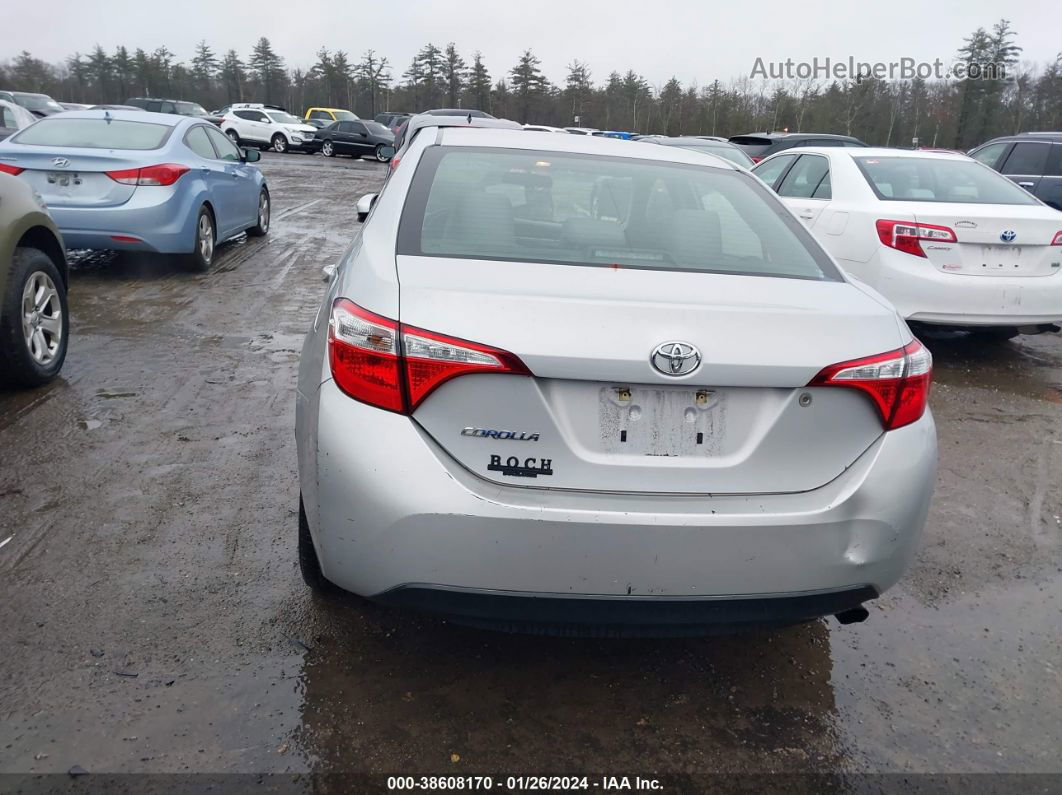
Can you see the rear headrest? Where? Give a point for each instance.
(483, 220)
(692, 236)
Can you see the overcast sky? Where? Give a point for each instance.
(693, 40)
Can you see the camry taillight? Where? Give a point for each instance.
(161, 175)
(907, 236)
(393, 366)
(12, 170)
(897, 382)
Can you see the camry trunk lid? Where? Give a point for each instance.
(993, 240)
(596, 414)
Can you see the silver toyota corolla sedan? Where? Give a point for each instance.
(572, 384)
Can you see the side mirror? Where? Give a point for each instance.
(251, 155)
(365, 204)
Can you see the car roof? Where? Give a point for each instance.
(170, 119)
(576, 144)
(1052, 137)
(872, 151)
(686, 140)
(777, 136)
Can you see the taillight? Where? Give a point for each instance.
(897, 382)
(12, 170)
(161, 175)
(1056, 242)
(906, 236)
(393, 366)
(755, 159)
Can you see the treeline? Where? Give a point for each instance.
(942, 113)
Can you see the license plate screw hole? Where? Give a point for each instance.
(623, 394)
(702, 397)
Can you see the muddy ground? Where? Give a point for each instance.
(152, 618)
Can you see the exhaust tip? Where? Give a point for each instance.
(854, 615)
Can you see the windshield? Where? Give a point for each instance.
(551, 207)
(926, 179)
(93, 134)
(191, 109)
(730, 153)
(38, 102)
(377, 129)
(344, 115)
(280, 117)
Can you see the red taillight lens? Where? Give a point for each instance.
(897, 382)
(906, 236)
(1056, 242)
(363, 355)
(12, 170)
(161, 175)
(368, 365)
(755, 159)
(394, 162)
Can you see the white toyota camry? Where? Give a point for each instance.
(946, 239)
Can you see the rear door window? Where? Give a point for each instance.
(1027, 159)
(94, 134)
(989, 155)
(1054, 162)
(805, 178)
(770, 171)
(199, 143)
(509, 205)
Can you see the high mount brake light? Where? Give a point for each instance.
(897, 382)
(395, 367)
(907, 236)
(159, 176)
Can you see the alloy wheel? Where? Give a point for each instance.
(205, 235)
(42, 318)
(263, 211)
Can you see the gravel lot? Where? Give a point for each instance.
(152, 618)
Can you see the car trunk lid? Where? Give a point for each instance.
(75, 177)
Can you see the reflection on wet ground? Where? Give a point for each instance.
(152, 619)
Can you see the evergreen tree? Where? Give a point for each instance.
(528, 84)
(268, 69)
(454, 69)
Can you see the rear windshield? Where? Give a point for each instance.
(377, 129)
(280, 117)
(191, 109)
(752, 145)
(923, 179)
(94, 134)
(37, 102)
(344, 115)
(571, 209)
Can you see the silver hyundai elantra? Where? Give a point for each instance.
(572, 384)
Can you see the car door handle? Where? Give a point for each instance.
(1026, 184)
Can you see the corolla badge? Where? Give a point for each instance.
(60, 162)
(1008, 235)
(675, 358)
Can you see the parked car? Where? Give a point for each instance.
(419, 122)
(1032, 160)
(260, 105)
(74, 106)
(762, 145)
(178, 107)
(946, 239)
(593, 445)
(131, 181)
(624, 136)
(355, 138)
(114, 107)
(581, 130)
(13, 118)
(329, 115)
(475, 114)
(34, 321)
(391, 120)
(707, 146)
(544, 128)
(261, 126)
(40, 105)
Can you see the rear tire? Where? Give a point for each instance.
(233, 136)
(309, 564)
(34, 321)
(261, 229)
(378, 153)
(206, 237)
(328, 149)
(280, 144)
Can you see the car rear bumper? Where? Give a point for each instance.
(922, 293)
(164, 224)
(389, 510)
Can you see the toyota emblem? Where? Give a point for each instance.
(675, 358)
(1008, 235)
